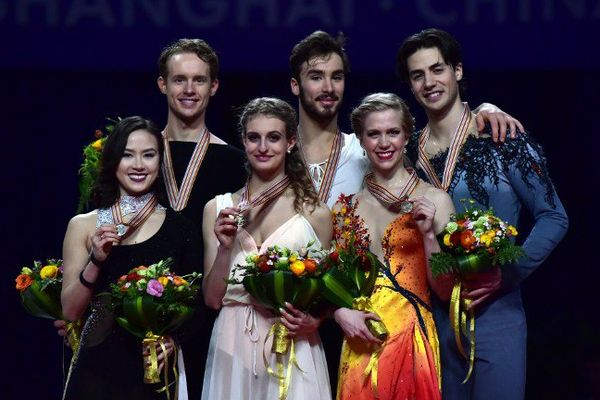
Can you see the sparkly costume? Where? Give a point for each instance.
(408, 366)
(506, 178)
(235, 368)
(109, 364)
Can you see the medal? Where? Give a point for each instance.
(389, 200)
(126, 229)
(121, 229)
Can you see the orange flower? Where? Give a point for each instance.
(23, 282)
(310, 265)
(178, 281)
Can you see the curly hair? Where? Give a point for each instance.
(106, 188)
(295, 168)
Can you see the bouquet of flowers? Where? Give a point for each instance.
(40, 288)
(351, 269)
(90, 167)
(472, 242)
(151, 301)
(475, 241)
(277, 276)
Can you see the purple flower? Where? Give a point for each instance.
(154, 288)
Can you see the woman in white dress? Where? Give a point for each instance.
(290, 215)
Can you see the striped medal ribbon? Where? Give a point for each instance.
(266, 196)
(126, 229)
(460, 135)
(178, 197)
(331, 169)
(388, 199)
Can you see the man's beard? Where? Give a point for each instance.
(313, 112)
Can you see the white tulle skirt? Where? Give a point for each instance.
(235, 368)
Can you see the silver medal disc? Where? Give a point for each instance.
(406, 207)
(121, 229)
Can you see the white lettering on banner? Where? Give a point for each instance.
(217, 11)
(475, 11)
(269, 8)
(472, 10)
(51, 11)
(86, 9)
(320, 11)
(156, 10)
(270, 14)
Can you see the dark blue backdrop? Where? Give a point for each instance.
(65, 65)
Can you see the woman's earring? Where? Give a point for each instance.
(404, 150)
(289, 150)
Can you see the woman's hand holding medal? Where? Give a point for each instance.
(226, 227)
(103, 240)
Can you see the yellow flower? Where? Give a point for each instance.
(486, 239)
(447, 241)
(163, 280)
(297, 267)
(512, 230)
(344, 210)
(347, 221)
(97, 145)
(293, 257)
(49, 271)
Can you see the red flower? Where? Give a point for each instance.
(133, 277)
(23, 282)
(467, 239)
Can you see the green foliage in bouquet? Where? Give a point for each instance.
(474, 241)
(90, 167)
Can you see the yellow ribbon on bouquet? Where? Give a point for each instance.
(282, 343)
(458, 321)
(151, 374)
(73, 334)
(379, 330)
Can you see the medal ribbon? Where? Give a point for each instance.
(178, 197)
(137, 219)
(388, 199)
(331, 169)
(460, 135)
(265, 196)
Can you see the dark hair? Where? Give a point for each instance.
(196, 46)
(300, 182)
(106, 188)
(427, 39)
(317, 44)
(381, 102)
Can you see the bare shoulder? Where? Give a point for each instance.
(85, 221)
(320, 212)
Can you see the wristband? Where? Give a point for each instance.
(95, 261)
(85, 282)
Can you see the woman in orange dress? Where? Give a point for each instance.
(398, 217)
